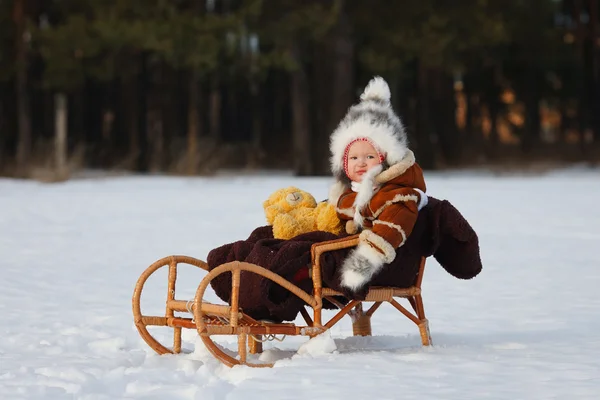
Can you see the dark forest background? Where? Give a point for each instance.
(193, 86)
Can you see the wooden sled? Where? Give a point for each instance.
(228, 319)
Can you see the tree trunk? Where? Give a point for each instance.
(596, 113)
(595, 72)
(23, 105)
(154, 117)
(491, 97)
(583, 106)
(424, 149)
(257, 154)
(46, 113)
(473, 139)
(60, 136)
(193, 125)
(561, 148)
(277, 134)
(107, 145)
(469, 90)
(494, 138)
(130, 107)
(443, 106)
(322, 97)
(215, 100)
(531, 133)
(342, 95)
(564, 122)
(194, 118)
(142, 159)
(77, 132)
(156, 139)
(3, 133)
(108, 142)
(582, 125)
(301, 146)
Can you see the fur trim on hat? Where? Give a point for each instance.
(373, 118)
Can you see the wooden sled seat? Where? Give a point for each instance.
(361, 319)
(229, 319)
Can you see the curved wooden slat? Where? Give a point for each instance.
(138, 318)
(205, 331)
(226, 358)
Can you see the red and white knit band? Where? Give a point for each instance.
(361, 139)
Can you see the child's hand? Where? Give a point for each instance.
(351, 227)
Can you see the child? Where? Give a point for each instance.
(379, 187)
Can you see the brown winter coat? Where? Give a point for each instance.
(391, 213)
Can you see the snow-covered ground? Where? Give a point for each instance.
(528, 327)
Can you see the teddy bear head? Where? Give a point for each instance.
(285, 200)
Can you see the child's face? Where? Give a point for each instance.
(362, 156)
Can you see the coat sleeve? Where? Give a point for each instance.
(345, 206)
(395, 217)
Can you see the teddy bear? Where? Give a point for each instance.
(292, 211)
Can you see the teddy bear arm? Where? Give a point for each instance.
(327, 219)
(271, 212)
(285, 226)
(306, 219)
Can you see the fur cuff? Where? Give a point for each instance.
(389, 253)
(360, 266)
(423, 199)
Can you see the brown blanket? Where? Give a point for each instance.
(440, 231)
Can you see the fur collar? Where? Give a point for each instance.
(397, 169)
(366, 189)
(338, 188)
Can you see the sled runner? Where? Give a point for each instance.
(211, 320)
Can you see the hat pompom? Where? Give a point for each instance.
(377, 89)
(374, 119)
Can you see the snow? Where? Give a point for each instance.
(525, 328)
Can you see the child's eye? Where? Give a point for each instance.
(354, 158)
(370, 157)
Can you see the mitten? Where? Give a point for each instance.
(360, 265)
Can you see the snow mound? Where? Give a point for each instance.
(318, 346)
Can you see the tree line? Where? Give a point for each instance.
(190, 86)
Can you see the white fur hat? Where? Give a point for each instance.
(373, 119)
